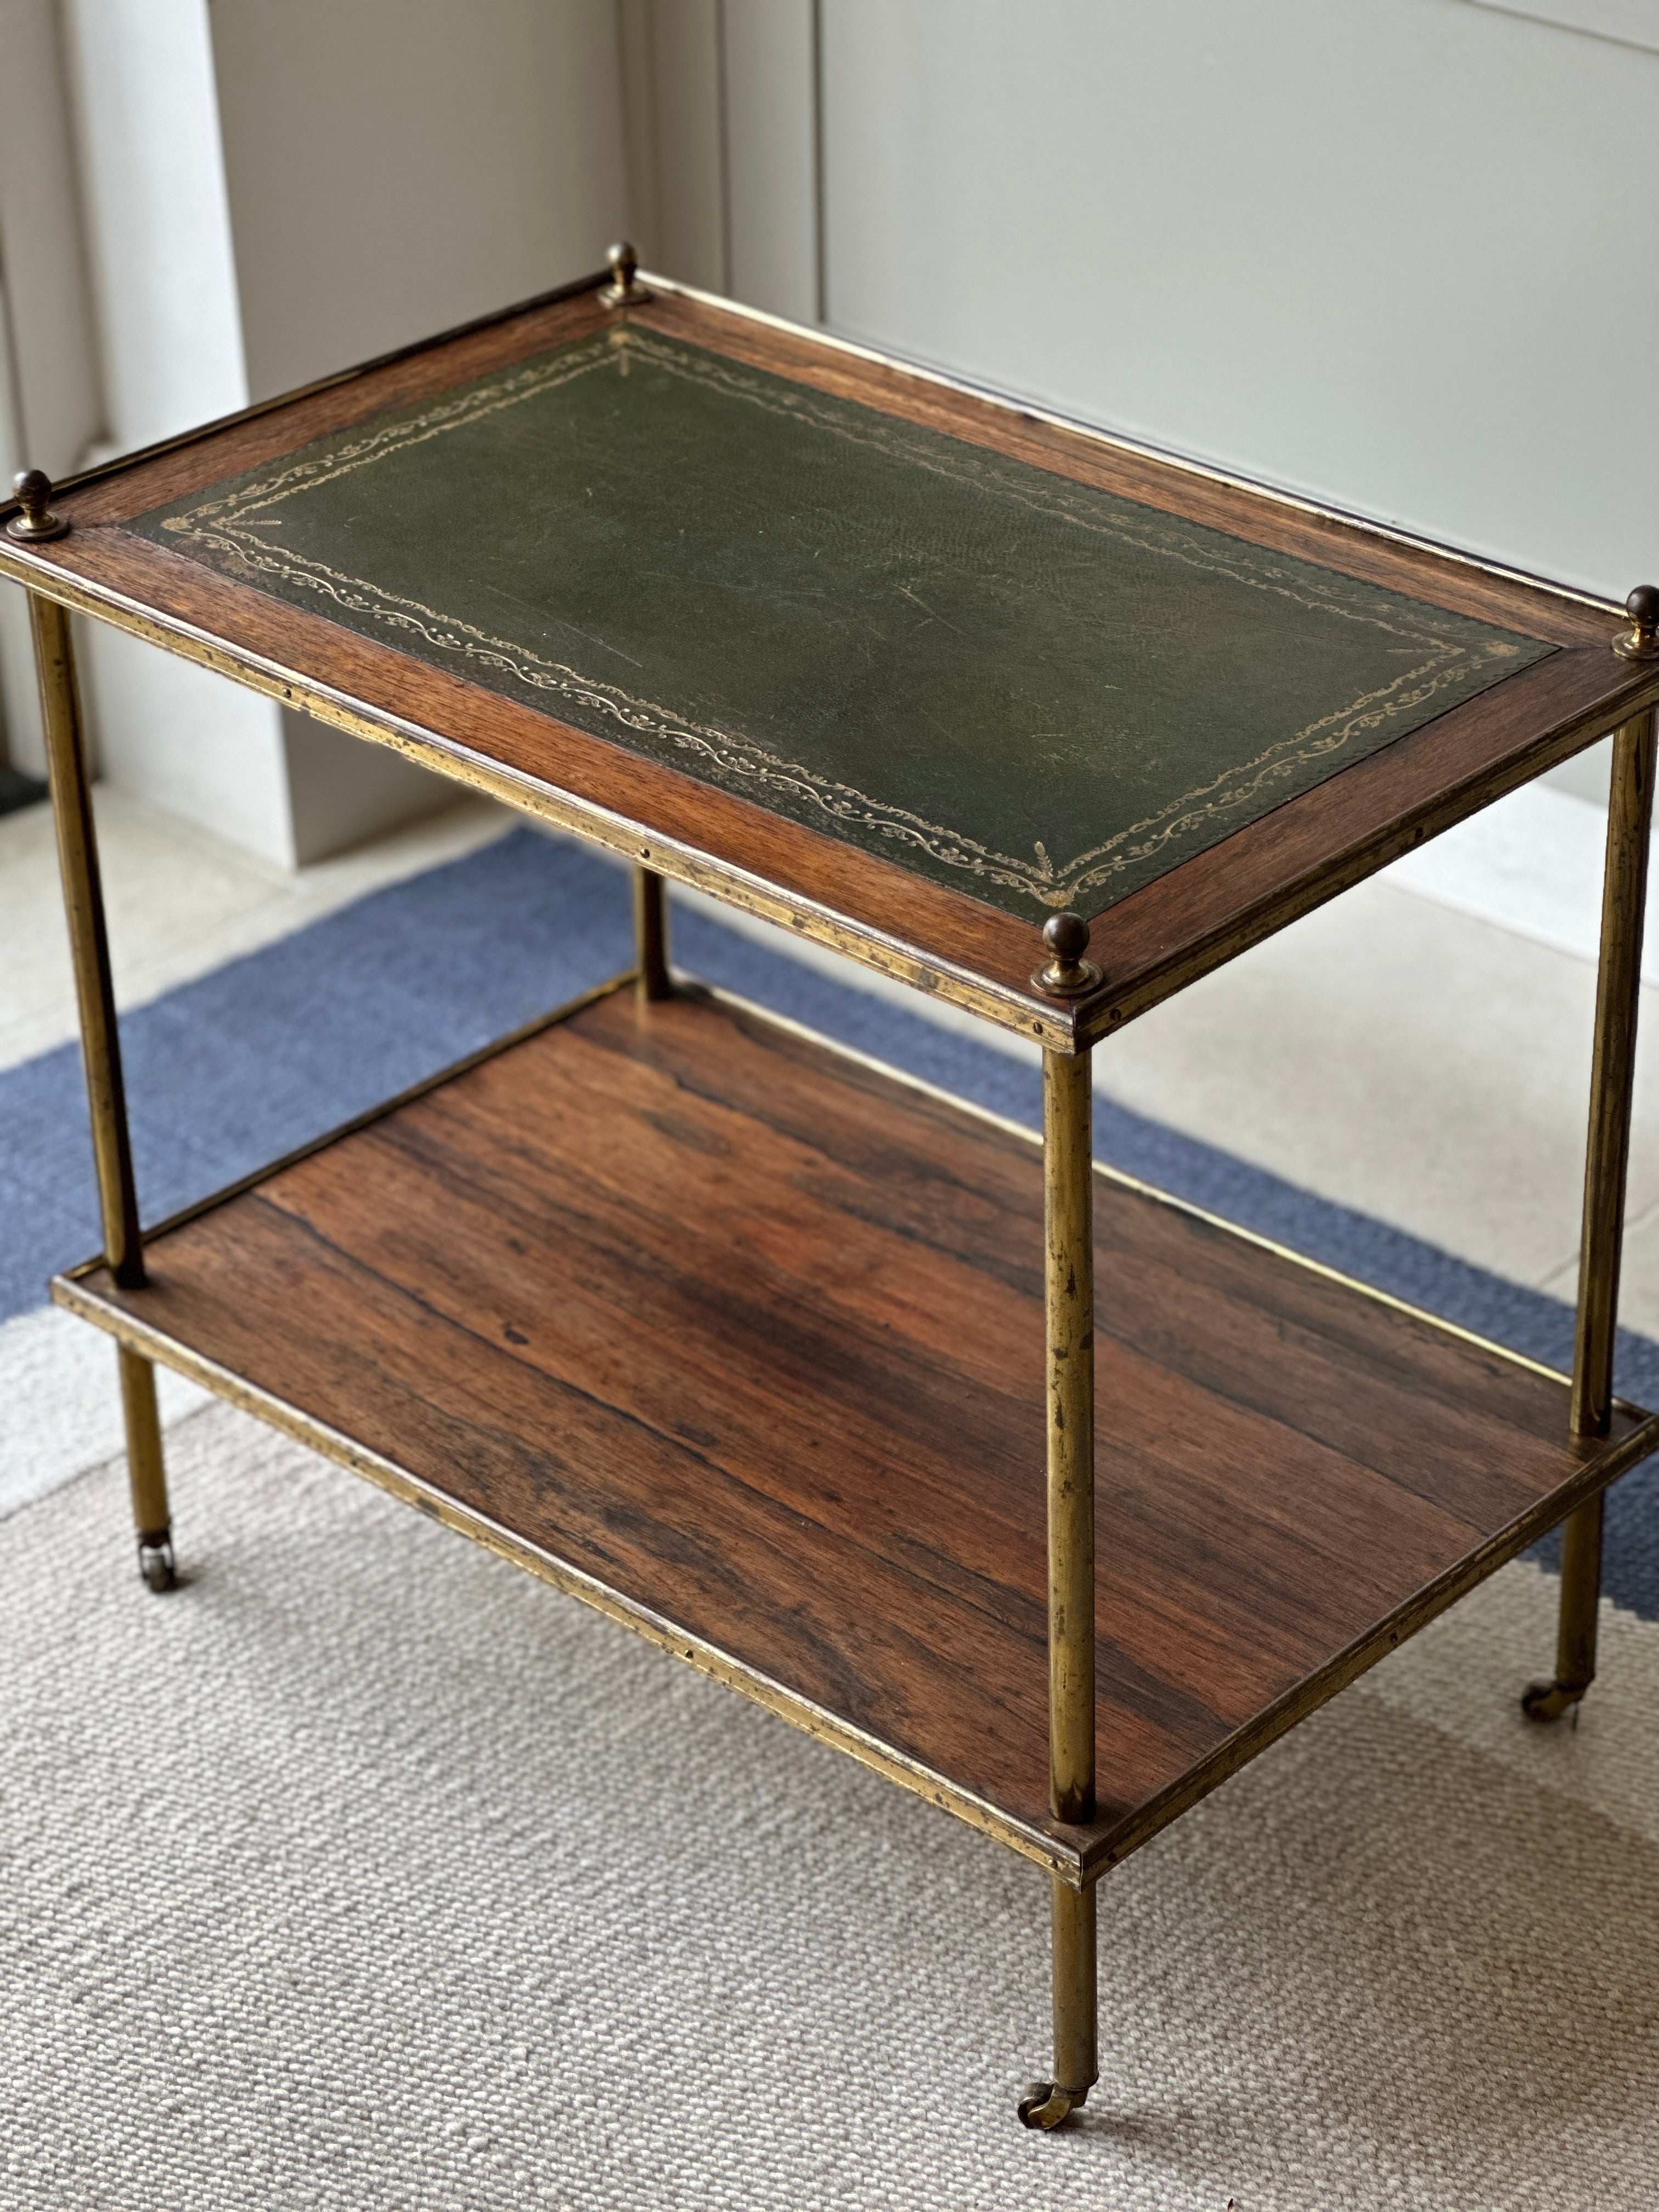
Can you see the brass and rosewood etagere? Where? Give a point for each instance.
(1044, 1494)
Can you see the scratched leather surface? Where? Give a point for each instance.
(1038, 693)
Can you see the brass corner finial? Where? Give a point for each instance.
(1067, 975)
(1641, 641)
(624, 290)
(34, 489)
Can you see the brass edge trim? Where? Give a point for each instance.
(575, 1582)
(1100, 1854)
(118, 464)
(724, 880)
(820, 335)
(1079, 1867)
(370, 1115)
(226, 534)
(1033, 410)
(1108, 1015)
(1093, 1857)
(688, 986)
(1346, 1282)
(721, 995)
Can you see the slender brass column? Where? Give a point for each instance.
(1069, 1302)
(1077, 2055)
(1613, 1069)
(651, 934)
(147, 1476)
(83, 900)
(100, 1049)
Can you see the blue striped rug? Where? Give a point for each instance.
(268, 1050)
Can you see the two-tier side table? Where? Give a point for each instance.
(1046, 1495)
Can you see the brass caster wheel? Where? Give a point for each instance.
(155, 1565)
(1547, 1701)
(1045, 2105)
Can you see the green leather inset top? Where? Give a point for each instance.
(1037, 693)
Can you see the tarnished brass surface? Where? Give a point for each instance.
(1613, 1067)
(1069, 1305)
(1055, 1027)
(1612, 1072)
(83, 900)
(651, 934)
(146, 1470)
(1048, 1025)
(145, 1474)
(1076, 2061)
(101, 1050)
(1076, 2032)
(1057, 1856)
(1581, 1596)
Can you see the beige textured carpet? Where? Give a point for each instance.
(367, 1872)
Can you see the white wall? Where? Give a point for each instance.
(170, 349)
(274, 189)
(770, 81)
(1391, 253)
(51, 406)
(720, 107)
(1397, 253)
(395, 166)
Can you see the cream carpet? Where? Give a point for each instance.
(367, 1872)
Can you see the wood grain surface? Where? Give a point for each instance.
(1150, 945)
(751, 1333)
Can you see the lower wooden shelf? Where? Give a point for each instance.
(740, 1338)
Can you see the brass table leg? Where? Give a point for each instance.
(1069, 1301)
(651, 935)
(1613, 1069)
(100, 1047)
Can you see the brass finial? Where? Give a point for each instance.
(1067, 975)
(37, 522)
(1640, 641)
(624, 290)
